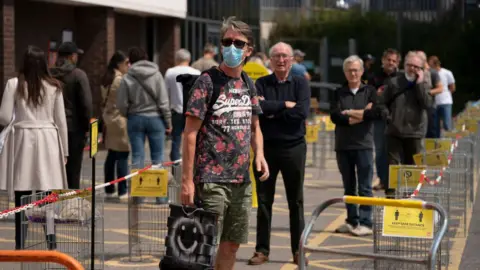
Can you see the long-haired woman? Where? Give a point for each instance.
(116, 139)
(36, 147)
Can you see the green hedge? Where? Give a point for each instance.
(453, 40)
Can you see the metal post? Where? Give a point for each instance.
(92, 255)
(352, 46)
(324, 59)
(399, 30)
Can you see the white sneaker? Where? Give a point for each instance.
(123, 197)
(111, 195)
(362, 231)
(345, 228)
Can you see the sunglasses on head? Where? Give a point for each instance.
(227, 42)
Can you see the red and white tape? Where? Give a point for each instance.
(424, 178)
(55, 197)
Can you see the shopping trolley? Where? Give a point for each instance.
(428, 260)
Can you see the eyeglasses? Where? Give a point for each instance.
(414, 66)
(353, 70)
(279, 56)
(240, 44)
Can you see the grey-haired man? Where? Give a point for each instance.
(175, 93)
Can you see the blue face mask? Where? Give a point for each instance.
(232, 56)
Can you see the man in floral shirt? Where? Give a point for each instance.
(222, 123)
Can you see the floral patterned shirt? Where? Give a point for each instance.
(222, 153)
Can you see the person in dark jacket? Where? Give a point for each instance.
(407, 99)
(353, 108)
(78, 107)
(285, 102)
(390, 60)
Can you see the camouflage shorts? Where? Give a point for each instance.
(233, 203)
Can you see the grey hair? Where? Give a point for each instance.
(182, 55)
(278, 44)
(239, 26)
(415, 54)
(422, 55)
(352, 59)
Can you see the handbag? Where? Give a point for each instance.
(191, 240)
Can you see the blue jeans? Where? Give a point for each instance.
(443, 113)
(139, 128)
(362, 160)
(120, 161)
(381, 162)
(178, 123)
(142, 127)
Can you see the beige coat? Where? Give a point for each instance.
(33, 157)
(116, 125)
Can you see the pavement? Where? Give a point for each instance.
(320, 184)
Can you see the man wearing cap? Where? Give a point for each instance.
(78, 107)
(297, 68)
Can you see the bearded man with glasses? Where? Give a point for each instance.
(285, 102)
(407, 99)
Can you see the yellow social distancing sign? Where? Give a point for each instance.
(311, 135)
(406, 175)
(470, 124)
(151, 183)
(407, 222)
(438, 144)
(432, 158)
(93, 137)
(255, 70)
(329, 125)
(453, 135)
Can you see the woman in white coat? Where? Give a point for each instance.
(36, 146)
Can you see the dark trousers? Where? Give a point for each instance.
(116, 161)
(401, 150)
(362, 161)
(432, 125)
(178, 123)
(76, 144)
(291, 163)
(21, 225)
(381, 162)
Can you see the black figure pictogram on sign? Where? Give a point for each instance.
(420, 217)
(397, 214)
(158, 181)
(141, 180)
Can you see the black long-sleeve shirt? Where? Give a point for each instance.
(281, 125)
(358, 136)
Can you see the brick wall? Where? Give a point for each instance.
(129, 31)
(168, 41)
(35, 25)
(95, 34)
(7, 42)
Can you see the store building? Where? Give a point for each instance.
(204, 20)
(99, 27)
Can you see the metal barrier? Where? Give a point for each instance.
(148, 212)
(65, 226)
(40, 256)
(322, 91)
(320, 139)
(429, 261)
